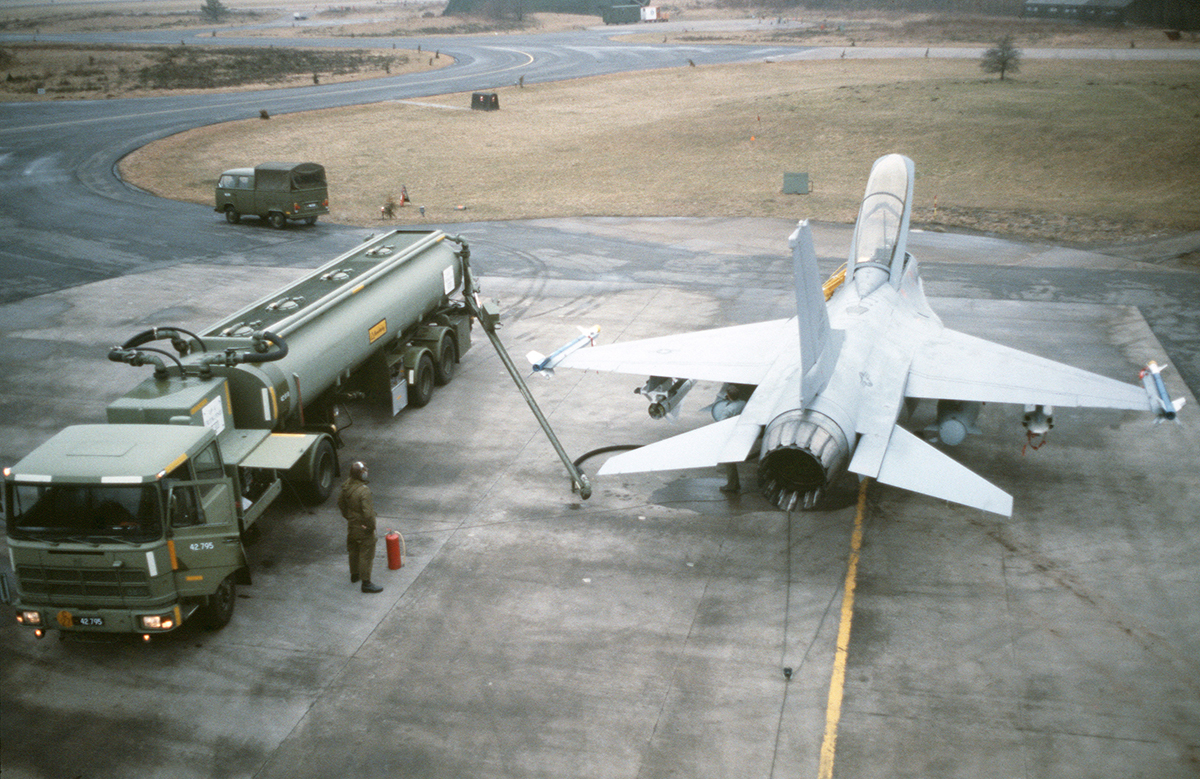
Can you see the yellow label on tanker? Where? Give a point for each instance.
(376, 332)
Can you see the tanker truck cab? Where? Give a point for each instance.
(124, 528)
(137, 525)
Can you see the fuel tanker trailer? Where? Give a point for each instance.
(136, 525)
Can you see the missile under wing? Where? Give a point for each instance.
(544, 365)
(827, 387)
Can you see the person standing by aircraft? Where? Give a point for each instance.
(354, 501)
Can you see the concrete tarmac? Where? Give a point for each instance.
(643, 632)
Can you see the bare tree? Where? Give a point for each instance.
(214, 10)
(1002, 58)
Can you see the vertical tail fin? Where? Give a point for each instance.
(818, 346)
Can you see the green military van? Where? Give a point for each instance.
(275, 191)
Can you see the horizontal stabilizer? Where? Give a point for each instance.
(914, 465)
(703, 447)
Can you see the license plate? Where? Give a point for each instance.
(311, 205)
(67, 620)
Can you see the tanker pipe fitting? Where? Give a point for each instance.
(139, 357)
(262, 348)
(262, 344)
(465, 251)
(158, 333)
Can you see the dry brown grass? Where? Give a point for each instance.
(416, 19)
(76, 72)
(1072, 150)
(67, 16)
(912, 29)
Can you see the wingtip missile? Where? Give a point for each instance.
(544, 365)
(1156, 392)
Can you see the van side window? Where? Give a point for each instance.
(185, 505)
(244, 182)
(208, 466)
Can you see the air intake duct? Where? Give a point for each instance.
(803, 452)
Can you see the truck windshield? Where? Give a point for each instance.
(89, 513)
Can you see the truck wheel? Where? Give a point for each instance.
(277, 220)
(216, 614)
(444, 370)
(421, 390)
(232, 216)
(318, 489)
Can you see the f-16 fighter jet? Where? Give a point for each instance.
(821, 393)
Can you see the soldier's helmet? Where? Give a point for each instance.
(358, 469)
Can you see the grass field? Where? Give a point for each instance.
(1069, 151)
(62, 71)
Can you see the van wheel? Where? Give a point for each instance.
(277, 220)
(216, 614)
(421, 390)
(232, 216)
(444, 370)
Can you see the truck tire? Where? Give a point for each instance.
(216, 613)
(447, 357)
(232, 216)
(317, 489)
(277, 220)
(421, 390)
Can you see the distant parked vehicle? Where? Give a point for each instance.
(276, 191)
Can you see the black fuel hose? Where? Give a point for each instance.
(278, 353)
(605, 450)
(158, 333)
(138, 357)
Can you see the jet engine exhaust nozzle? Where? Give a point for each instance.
(803, 452)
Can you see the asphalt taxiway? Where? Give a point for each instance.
(644, 632)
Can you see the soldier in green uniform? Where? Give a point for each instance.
(355, 504)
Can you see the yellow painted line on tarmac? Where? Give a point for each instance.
(837, 682)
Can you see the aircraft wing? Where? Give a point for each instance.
(956, 366)
(741, 354)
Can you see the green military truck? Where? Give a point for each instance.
(276, 191)
(137, 525)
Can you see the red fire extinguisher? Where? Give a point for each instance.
(395, 556)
